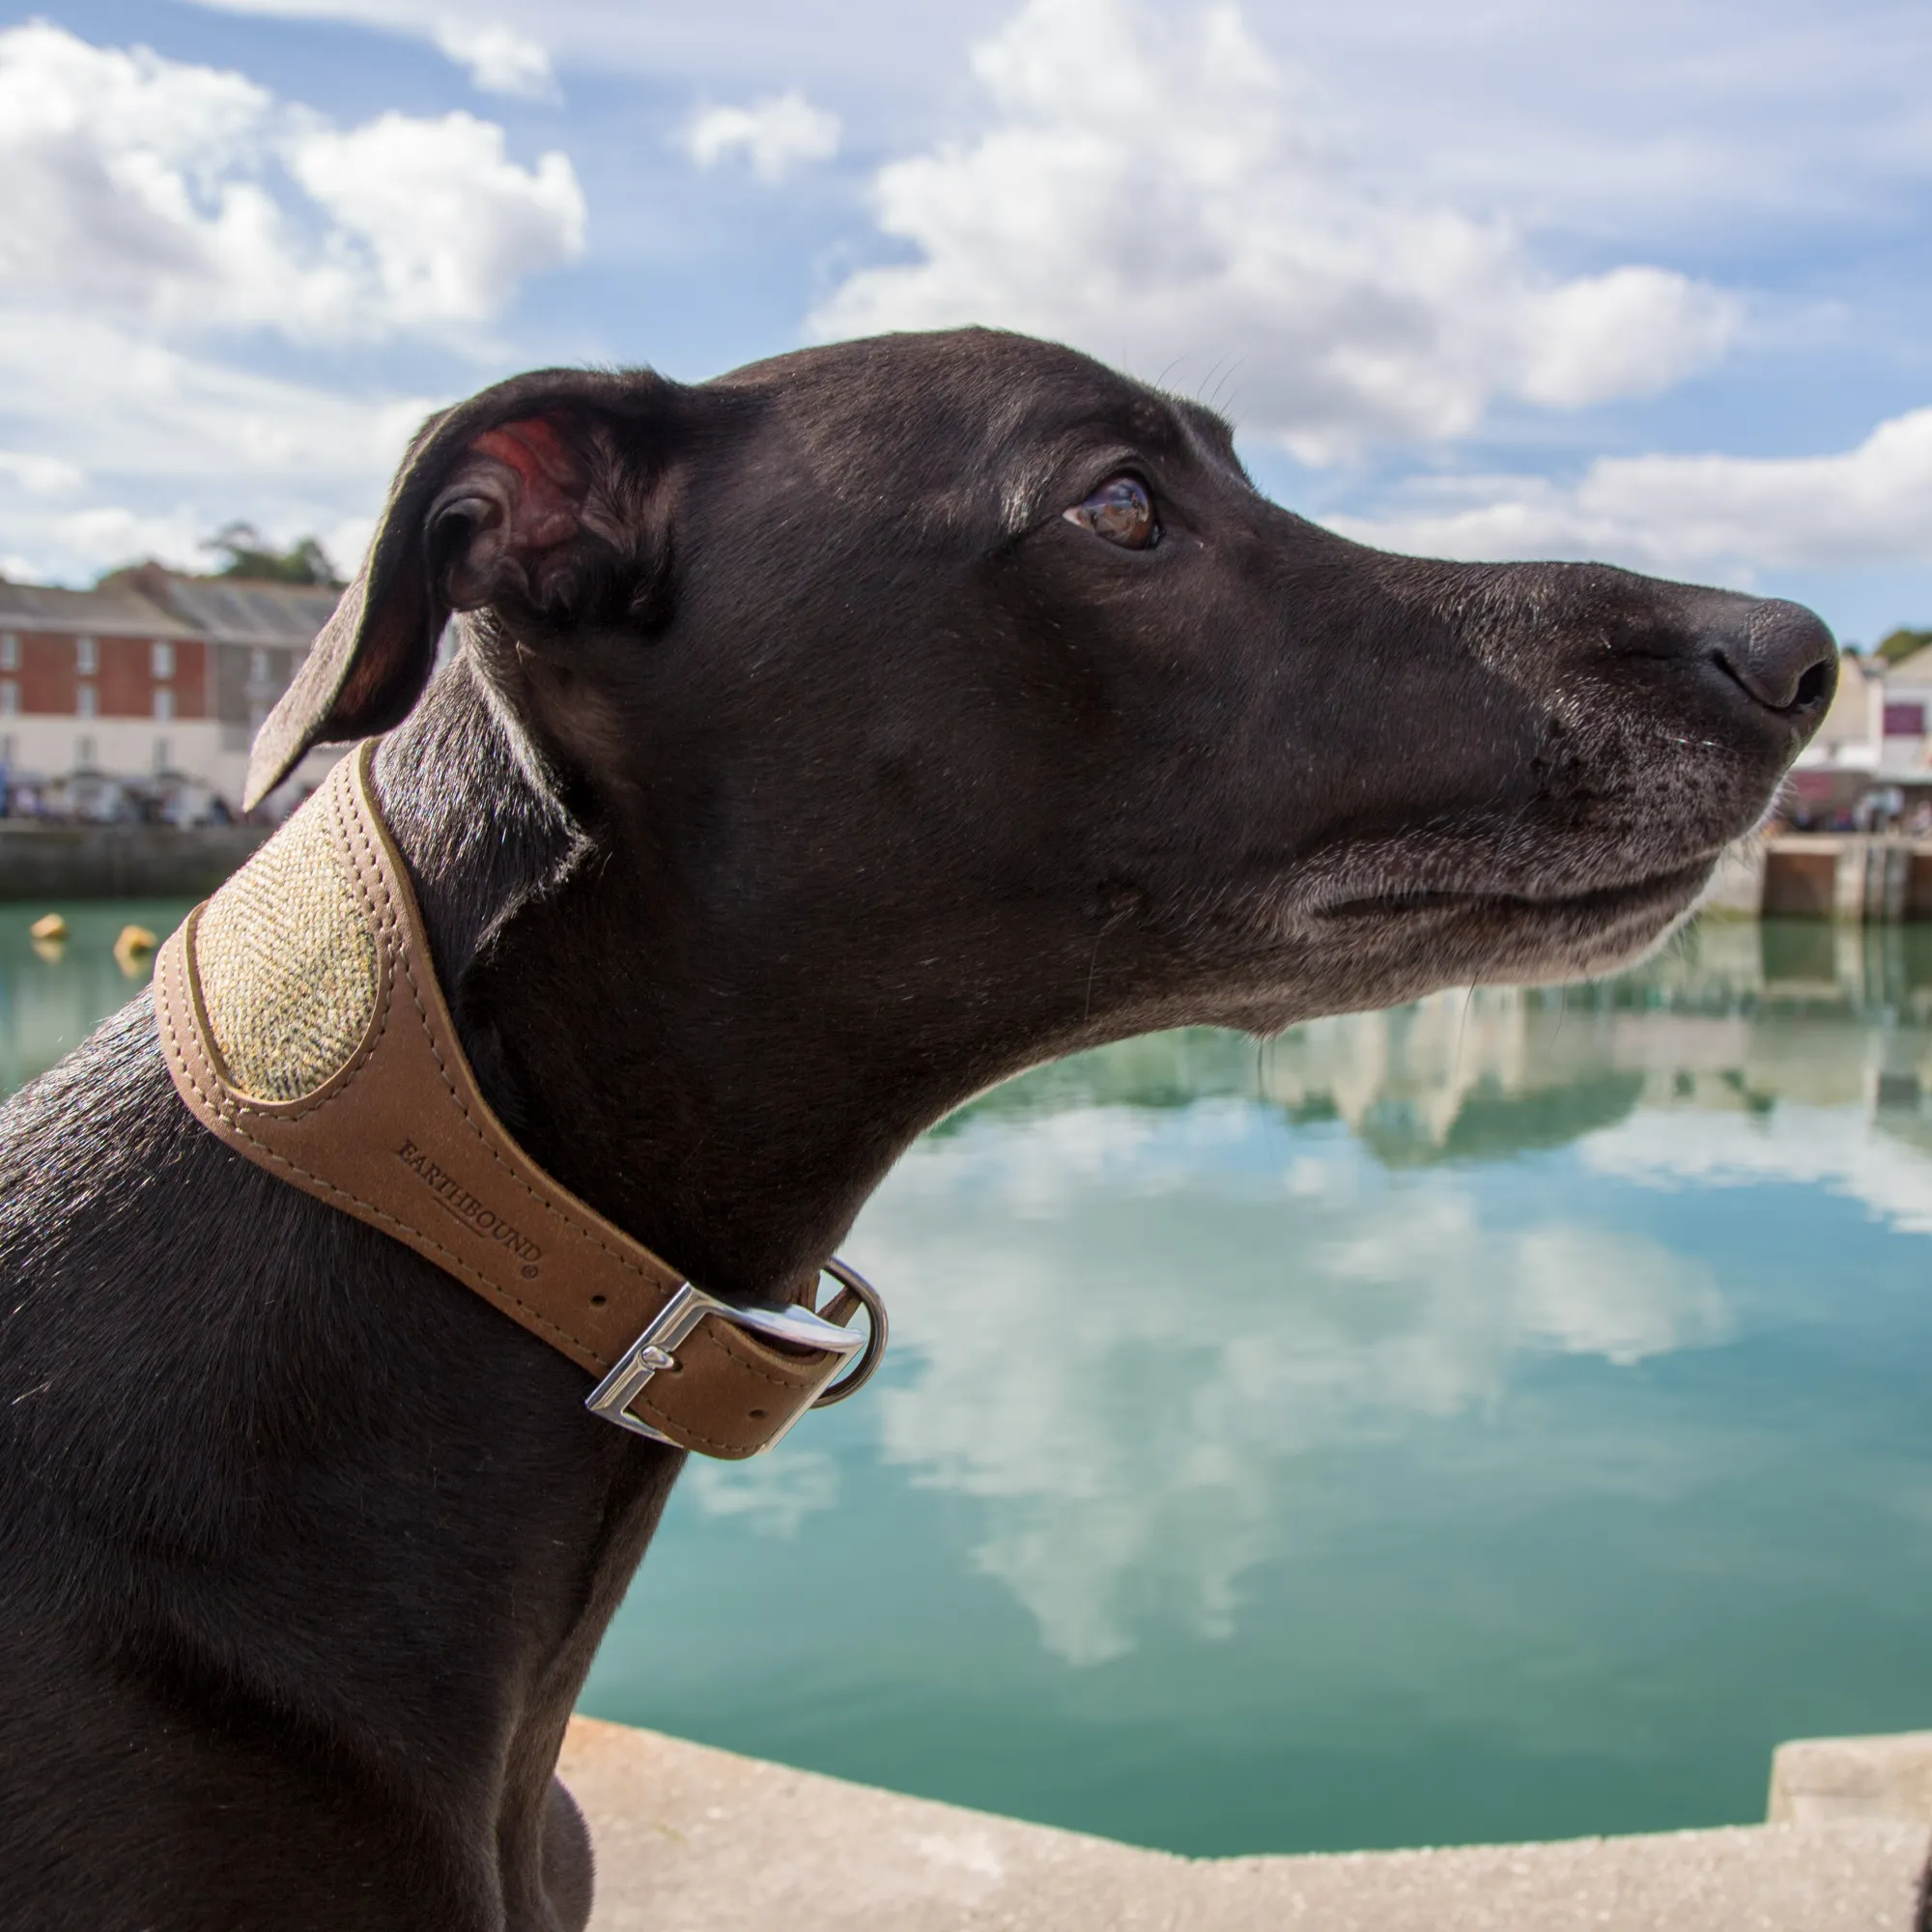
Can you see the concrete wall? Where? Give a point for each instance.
(689, 1839)
(89, 862)
(1825, 875)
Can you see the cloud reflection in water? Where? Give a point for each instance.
(1142, 1439)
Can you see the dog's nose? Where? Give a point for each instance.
(1780, 655)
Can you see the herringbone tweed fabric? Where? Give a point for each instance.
(287, 962)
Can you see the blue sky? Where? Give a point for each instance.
(1506, 278)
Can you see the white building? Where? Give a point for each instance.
(1876, 739)
(1907, 728)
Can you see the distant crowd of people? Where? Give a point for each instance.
(95, 798)
(1885, 808)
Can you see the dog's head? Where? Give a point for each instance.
(985, 674)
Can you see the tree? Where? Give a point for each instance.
(1901, 645)
(250, 555)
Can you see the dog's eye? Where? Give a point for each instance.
(1122, 511)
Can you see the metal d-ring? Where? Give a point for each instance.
(867, 1296)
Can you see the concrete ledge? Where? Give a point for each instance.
(1817, 1780)
(691, 1839)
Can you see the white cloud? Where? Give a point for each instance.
(499, 60)
(122, 403)
(451, 225)
(47, 476)
(1869, 504)
(904, 51)
(159, 191)
(775, 136)
(154, 214)
(1636, 118)
(1145, 191)
(1631, 332)
(160, 447)
(500, 54)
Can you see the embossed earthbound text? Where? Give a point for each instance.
(465, 1206)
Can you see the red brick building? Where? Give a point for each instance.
(98, 680)
(151, 674)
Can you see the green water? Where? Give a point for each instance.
(51, 997)
(1507, 1417)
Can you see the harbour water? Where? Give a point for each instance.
(1502, 1418)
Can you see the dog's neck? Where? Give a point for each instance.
(662, 1073)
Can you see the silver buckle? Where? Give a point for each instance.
(656, 1349)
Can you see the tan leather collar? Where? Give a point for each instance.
(303, 1023)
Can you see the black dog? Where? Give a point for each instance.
(828, 742)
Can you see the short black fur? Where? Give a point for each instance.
(804, 771)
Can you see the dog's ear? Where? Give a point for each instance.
(498, 502)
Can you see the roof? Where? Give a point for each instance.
(113, 611)
(1914, 670)
(234, 610)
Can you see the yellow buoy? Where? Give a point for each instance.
(133, 949)
(50, 938)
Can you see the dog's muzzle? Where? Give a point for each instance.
(302, 1024)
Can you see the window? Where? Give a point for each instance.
(10, 651)
(86, 701)
(10, 700)
(258, 667)
(160, 755)
(163, 660)
(86, 655)
(1904, 721)
(165, 703)
(83, 752)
